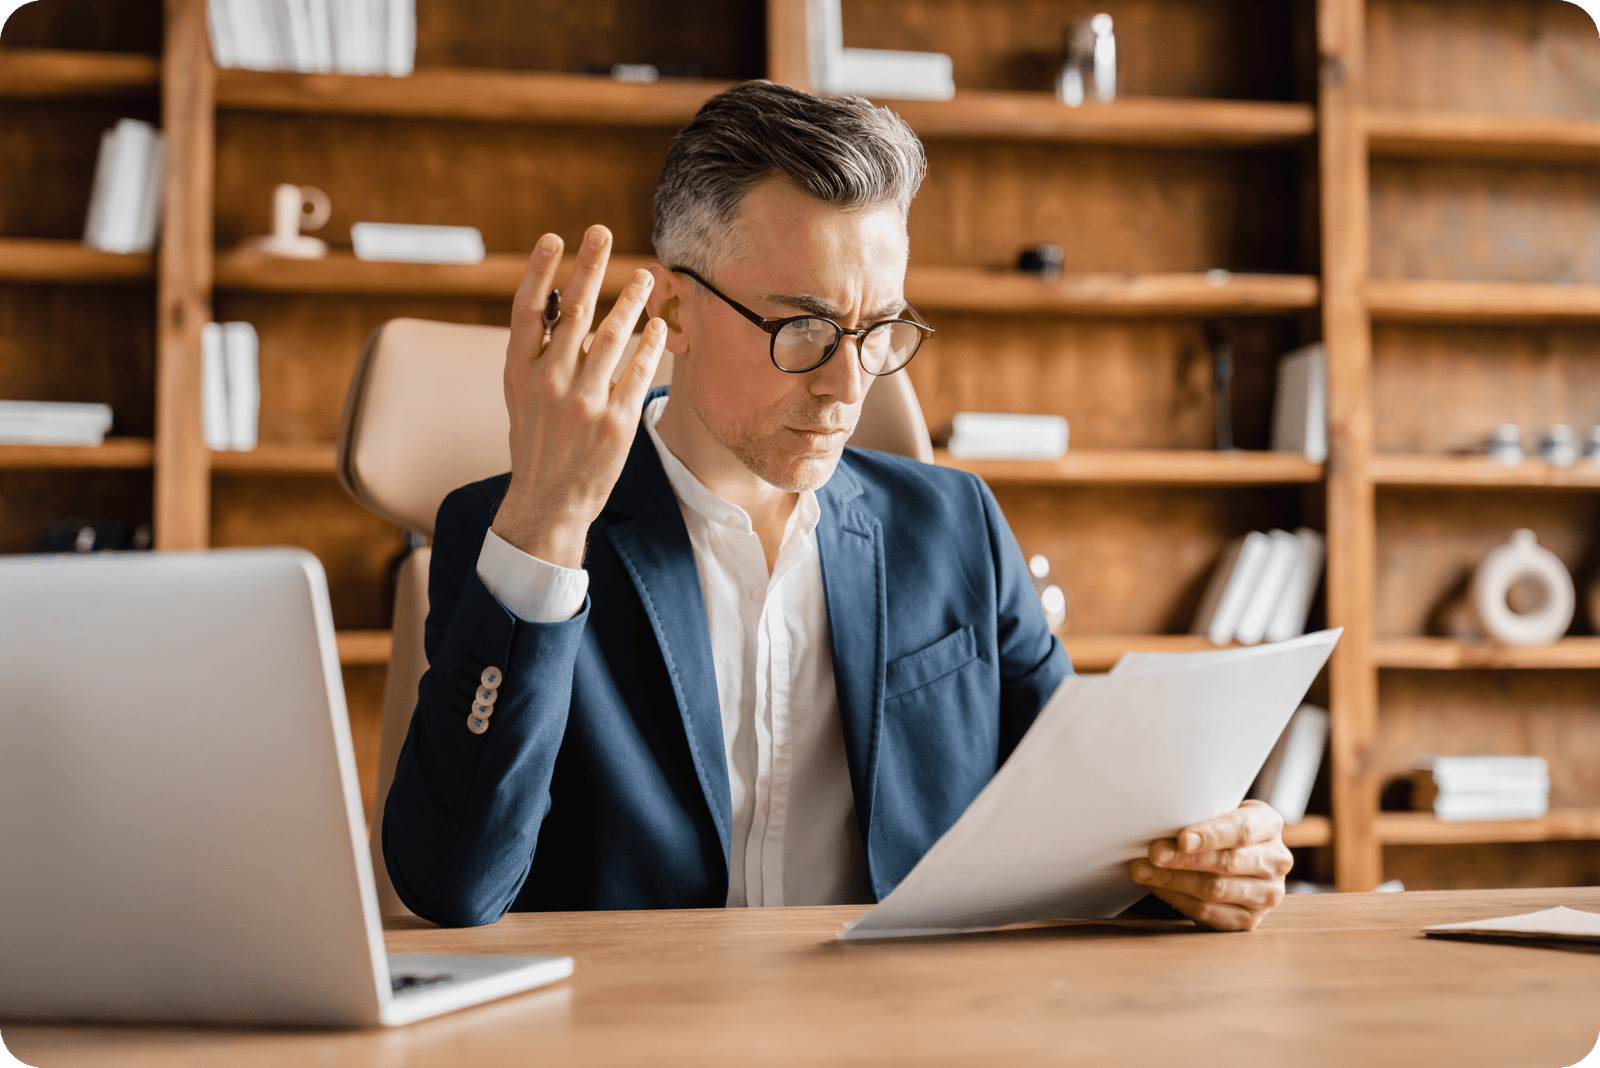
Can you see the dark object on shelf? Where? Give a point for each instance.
(645, 73)
(1042, 260)
(100, 535)
(1221, 384)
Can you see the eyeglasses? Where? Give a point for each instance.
(803, 343)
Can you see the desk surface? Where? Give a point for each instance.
(1335, 980)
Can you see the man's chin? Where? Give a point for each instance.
(796, 474)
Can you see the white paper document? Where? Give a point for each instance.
(1556, 926)
(1112, 763)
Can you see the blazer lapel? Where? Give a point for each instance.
(649, 536)
(850, 544)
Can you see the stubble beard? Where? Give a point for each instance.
(770, 462)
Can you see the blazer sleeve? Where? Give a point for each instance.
(1032, 661)
(464, 811)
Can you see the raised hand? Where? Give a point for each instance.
(571, 426)
(1226, 873)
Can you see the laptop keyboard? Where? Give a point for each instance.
(410, 984)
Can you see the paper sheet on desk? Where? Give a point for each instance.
(1112, 763)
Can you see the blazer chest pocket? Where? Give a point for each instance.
(914, 670)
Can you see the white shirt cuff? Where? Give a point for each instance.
(533, 590)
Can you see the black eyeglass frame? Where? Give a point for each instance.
(773, 326)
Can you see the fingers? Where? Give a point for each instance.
(1221, 916)
(1251, 822)
(527, 333)
(579, 297)
(612, 337)
(1248, 891)
(1270, 859)
(630, 389)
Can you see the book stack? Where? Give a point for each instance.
(999, 436)
(409, 243)
(1290, 772)
(53, 423)
(1262, 587)
(315, 36)
(125, 200)
(872, 71)
(230, 385)
(1482, 787)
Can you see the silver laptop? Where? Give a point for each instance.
(181, 833)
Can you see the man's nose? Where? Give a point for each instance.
(842, 376)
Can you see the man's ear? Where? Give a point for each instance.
(666, 303)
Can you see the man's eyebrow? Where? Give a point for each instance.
(804, 302)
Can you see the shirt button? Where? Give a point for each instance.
(486, 695)
(491, 677)
(477, 724)
(757, 594)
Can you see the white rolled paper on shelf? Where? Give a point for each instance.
(1523, 558)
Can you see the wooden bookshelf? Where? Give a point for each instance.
(341, 274)
(1424, 828)
(113, 454)
(364, 648)
(278, 458)
(52, 261)
(1481, 471)
(53, 74)
(1310, 831)
(1449, 653)
(1149, 467)
(1414, 301)
(1136, 121)
(1464, 135)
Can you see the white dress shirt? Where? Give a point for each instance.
(795, 839)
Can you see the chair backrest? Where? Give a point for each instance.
(426, 414)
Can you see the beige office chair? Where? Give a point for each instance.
(425, 414)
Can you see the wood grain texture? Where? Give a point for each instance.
(364, 648)
(279, 458)
(111, 26)
(54, 260)
(1449, 134)
(789, 35)
(1455, 301)
(363, 697)
(1484, 56)
(52, 73)
(1465, 866)
(1171, 122)
(340, 273)
(1422, 828)
(1478, 471)
(1447, 653)
(113, 453)
(1329, 980)
(1144, 467)
(49, 148)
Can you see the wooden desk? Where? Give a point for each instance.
(1338, 980)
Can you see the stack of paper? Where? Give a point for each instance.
(1559, 928)
(872, 71)
(402, 243)
(230, 386)
(1262, 587)
(1300, 416)
(1290, 772)
(125, 200)
(53, 423)
(1112, 763)
(1482, 787)
(998, 436)
(315, 36)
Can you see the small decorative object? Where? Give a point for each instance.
(1591, 445)
(1523, 560)
(295, 207)
(1091, 49)
(1057, 605)
(1042, 260)
(1558, 447)
(1506, 445)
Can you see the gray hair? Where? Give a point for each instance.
(842, 150)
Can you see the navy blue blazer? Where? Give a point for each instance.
(601, 782)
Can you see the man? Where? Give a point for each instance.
(691, 651)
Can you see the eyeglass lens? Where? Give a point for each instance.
(805, 343)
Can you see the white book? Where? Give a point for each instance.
(214, 388)
(1276, 575)
(53, 423)
(825, 34)
(401, 38)
(364, 30)
(302, 53)
(1228, 593)
(132, 143)
(1289, 621)
(240, 349)
(1519, 805)
(219, 24)
(343, 22)
(1286, 779)
(97, 192)
(404, 243)
(252, 34)
(150, 202)
(321, 35)
(1488, 772)
(1006, 436)
(1300, 414)
(901, 75)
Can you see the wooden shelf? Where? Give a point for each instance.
(1408, 300)
(470, 95)
(1141, 121)
(1310, 831)
(42, 261)
(1480, 471)
(1465, 135)
(341, 274)
(364, 647)
(45, 73)
(1449, 653)
(114, 453)
(270, 458)
(1208, 293)
(1148, 467)
(1424, 828)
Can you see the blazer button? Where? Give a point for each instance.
(491, 677)
(486, 695)
(477, 724)
(482, 710)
